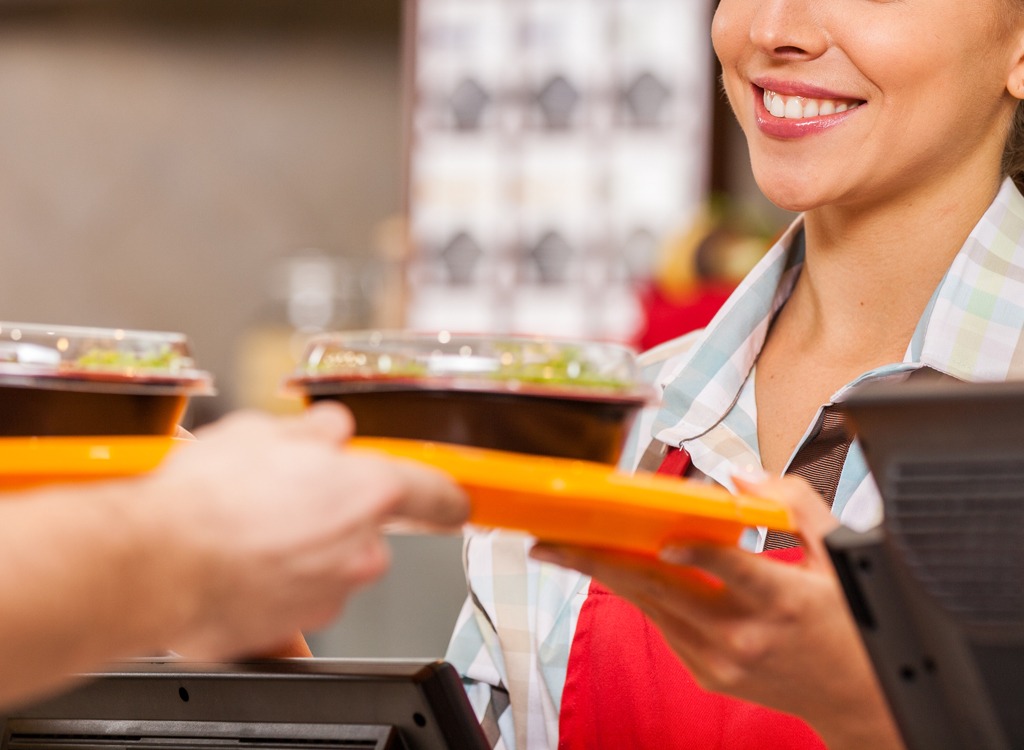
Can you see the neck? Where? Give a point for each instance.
(870, 272)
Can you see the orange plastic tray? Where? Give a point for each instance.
(32, 461)
(588, 503)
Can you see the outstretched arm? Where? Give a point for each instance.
(262, 528)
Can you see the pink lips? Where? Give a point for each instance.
(778, 127)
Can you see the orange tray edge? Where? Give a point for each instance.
(588, 503)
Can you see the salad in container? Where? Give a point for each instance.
(70, 380)
(533, 395)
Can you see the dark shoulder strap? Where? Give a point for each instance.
(820, 462)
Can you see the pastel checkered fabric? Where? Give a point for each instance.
(511, 641)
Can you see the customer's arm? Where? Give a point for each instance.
(261, 528)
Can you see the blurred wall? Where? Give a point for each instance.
(156, 156)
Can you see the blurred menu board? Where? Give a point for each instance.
(554, 145)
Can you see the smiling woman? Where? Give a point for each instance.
(895, 128)
(930, 105)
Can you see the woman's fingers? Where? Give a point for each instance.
(811, 516)
(644, 580)
(720, 579)
(753, 579)
(712, 628)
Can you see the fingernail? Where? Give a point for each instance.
(676, 555)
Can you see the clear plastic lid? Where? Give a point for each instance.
(114, 359)
(377, 360)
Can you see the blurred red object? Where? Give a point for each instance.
(666, 317)
(698, 267)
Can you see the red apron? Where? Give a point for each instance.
(625, 688)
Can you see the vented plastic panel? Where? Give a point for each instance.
(960, 526)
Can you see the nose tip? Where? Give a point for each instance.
(781, 30)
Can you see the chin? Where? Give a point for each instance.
(796, 194)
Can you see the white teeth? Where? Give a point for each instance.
(798, 107)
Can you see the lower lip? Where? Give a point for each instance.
(780, 127)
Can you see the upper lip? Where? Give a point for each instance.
(799, 88)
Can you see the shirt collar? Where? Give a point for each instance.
(706, 382)
(972, 328)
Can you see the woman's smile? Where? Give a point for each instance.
(901, 94)
(802, 108)
(799, 112)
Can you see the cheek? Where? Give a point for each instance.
(729, 37)
(947, 60)
(726, 31)
(932, 95)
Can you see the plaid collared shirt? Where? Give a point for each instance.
(512, 639)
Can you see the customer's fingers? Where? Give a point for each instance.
(325, 420)
(429, 495)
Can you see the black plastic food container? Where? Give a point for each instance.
(541, 396)
(69, 380)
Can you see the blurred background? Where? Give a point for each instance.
(253, 171)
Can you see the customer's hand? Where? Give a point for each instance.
(276, 524)
(745, 625)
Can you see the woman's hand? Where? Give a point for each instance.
(758, 629)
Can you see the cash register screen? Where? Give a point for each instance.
(292, 704)
(938, 589)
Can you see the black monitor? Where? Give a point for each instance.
(287, 704)
(938, 589)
